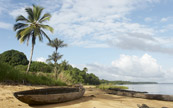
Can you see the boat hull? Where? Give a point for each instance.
(48, 98)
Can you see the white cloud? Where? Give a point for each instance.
(93, 24)
(3, 6)
(132, 68)
(81, 18)
(148, 19)
(4, 25)
(144, 66)
(89, 44)
(41, 59)
(105, 24)
(144, 42)
(164, 19)
(17, 12)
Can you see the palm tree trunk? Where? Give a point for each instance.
(57, 50)
(32, 50)
(56, 75)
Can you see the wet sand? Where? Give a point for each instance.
(93, 98)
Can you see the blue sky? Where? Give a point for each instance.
(116, 40)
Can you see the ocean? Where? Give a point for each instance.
(166, 89)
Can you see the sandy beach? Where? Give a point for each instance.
(93, 98)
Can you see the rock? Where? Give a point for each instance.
(92, 96)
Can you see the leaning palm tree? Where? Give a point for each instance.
(57, 43)
(55, 57)
(32, 27)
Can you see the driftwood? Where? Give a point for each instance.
(136, 94)
(49, 95)
(146, 106)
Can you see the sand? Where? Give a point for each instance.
(93, 98)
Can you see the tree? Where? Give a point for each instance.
(55, 57)
(57, 43)
(40, 67)
(85, 69)
(64, 65)
(13, 57)
(32, 27)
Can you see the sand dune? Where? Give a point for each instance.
(93, 98)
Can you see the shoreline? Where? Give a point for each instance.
(93, 98)
(137, 94)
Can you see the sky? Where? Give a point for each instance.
(130, 40)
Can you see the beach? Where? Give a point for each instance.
(93, 98)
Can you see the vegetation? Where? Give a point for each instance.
(55, 57)
(125, 82)
(66, 72)
(13, 57)
(32, 27)
(56, 43)
(40, 67)
(40, 73)
(36, 67)
(9, 74)
(75, 75)
(108, 86)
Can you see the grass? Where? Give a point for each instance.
(9, 74)
(107, 86)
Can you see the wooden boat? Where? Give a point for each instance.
(50, 95)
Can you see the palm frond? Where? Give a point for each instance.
(24, 38)
(19, 26)
(37, 12)
(46, 17)
(28, 40)
(40, 35)
(23, 33)
(22, 18)
(43, 33)
(18, 33)
(30, 14)
(57, 43)
(54, 57)
(47, 27)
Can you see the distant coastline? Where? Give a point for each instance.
(125, 82)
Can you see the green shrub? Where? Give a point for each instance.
(8, 73)
(40, 67)
(13, 57)
(21, 67)
(107, 86)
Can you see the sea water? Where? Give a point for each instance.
(166, 89)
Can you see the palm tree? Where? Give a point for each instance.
(85, 69)
(57, 43)
(32, 27)
(64, 65)
(55, 57)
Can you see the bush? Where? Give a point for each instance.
(13, 57)
(107, 86)
(8, 73)
(40, 67)
(21, 67)
(92, 79)
(76, 75)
